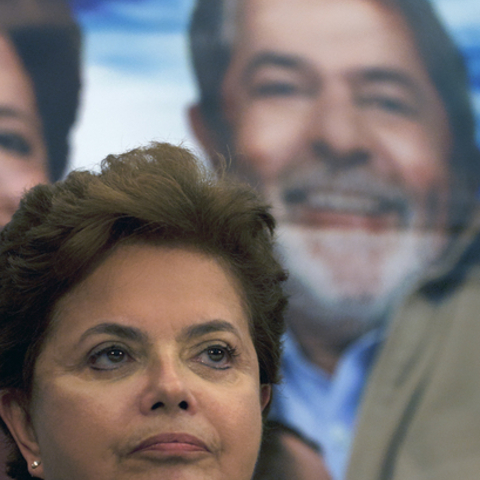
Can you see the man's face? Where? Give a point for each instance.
(334, 116)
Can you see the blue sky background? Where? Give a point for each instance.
(140, 21)
(137, 77)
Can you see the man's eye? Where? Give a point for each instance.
(274, 89)
(15, 143)
(220, 357)
(109, 358)
(390, 105)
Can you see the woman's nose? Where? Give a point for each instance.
(168, 388)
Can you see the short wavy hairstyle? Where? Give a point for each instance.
(159, 194)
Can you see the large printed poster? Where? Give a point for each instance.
(356, 121)
(354, 118)
(138, 79)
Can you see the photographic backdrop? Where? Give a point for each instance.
(138, 81)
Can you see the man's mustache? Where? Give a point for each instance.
(350, 191)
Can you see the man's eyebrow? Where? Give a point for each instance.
(389, 75)
(121, 331)
(211, 326)
(266, 59)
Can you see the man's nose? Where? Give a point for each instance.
(168, 388)
(336, 133)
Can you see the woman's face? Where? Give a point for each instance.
(149, 372)
(23, 155)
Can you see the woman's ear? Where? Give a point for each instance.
(265, 394)
(17, 419)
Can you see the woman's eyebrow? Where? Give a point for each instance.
(198, 330)
(7, 111)
(122, 331)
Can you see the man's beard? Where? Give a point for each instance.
(343, 281)
(346, 276)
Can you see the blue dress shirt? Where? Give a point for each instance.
(324, 407)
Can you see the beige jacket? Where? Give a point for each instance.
(420, 417)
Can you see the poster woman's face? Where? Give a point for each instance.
(23, 161)
(149, 372)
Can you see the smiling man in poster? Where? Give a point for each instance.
(353, 117)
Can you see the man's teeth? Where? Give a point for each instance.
(343, 203)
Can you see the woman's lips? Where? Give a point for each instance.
(172, 443)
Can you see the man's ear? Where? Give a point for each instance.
(204, 134)
(265, 394)
(17, 419)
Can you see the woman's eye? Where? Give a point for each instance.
(15, 143)
(109, 358)
(217, 356)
